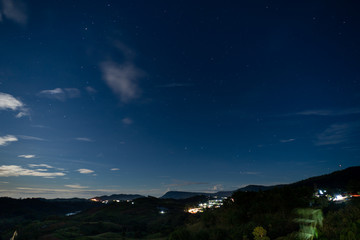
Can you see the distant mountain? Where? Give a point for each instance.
(121, 197)
(347, 179)
(185, 195)
(182, 195)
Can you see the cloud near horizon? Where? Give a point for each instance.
(27, 156)
(85, 171)
(77, 186)
(15, 171)
(40, 165)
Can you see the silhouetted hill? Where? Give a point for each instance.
(121, 197)
(18, 211)
(184, 195)
(347, 179)
(255, 188)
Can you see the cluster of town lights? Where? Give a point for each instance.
(212, 203)
(336, 197)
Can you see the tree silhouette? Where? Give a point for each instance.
(260, 234)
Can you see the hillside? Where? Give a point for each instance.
(347, 179)
(121, 197)
(272, 207)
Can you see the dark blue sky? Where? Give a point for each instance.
(100, 97)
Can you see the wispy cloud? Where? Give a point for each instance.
(337, 133)
(15, 171)
(60, 94)
(5, 140)
(114, 169)
(122, 79)
(30, 138)
(217, 187)
(9, 102)
(39, 126)
(287, 140)
(14, 10)
(332, 112)
(85, 171)
(127, 121)
(40, 165)
(84, 139)
(27, 156)
(77, 186)
(66, 192)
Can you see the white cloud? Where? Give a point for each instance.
(122, 79)
(85, 171)
(114, 169)
(27, 156)
(217, 187)
(22, 114)
(14, 10)
(9, 102)
(84, 139)
(42, 169)
(30, 138)
(40, 165)
(127, 121)
(5, 140)
(287, 140)
(15, 171)
(60, 94)
(77, 186)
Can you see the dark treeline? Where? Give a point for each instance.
(271, 214)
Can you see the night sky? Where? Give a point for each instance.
(102, 97)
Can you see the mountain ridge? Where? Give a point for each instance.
(342, 179)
